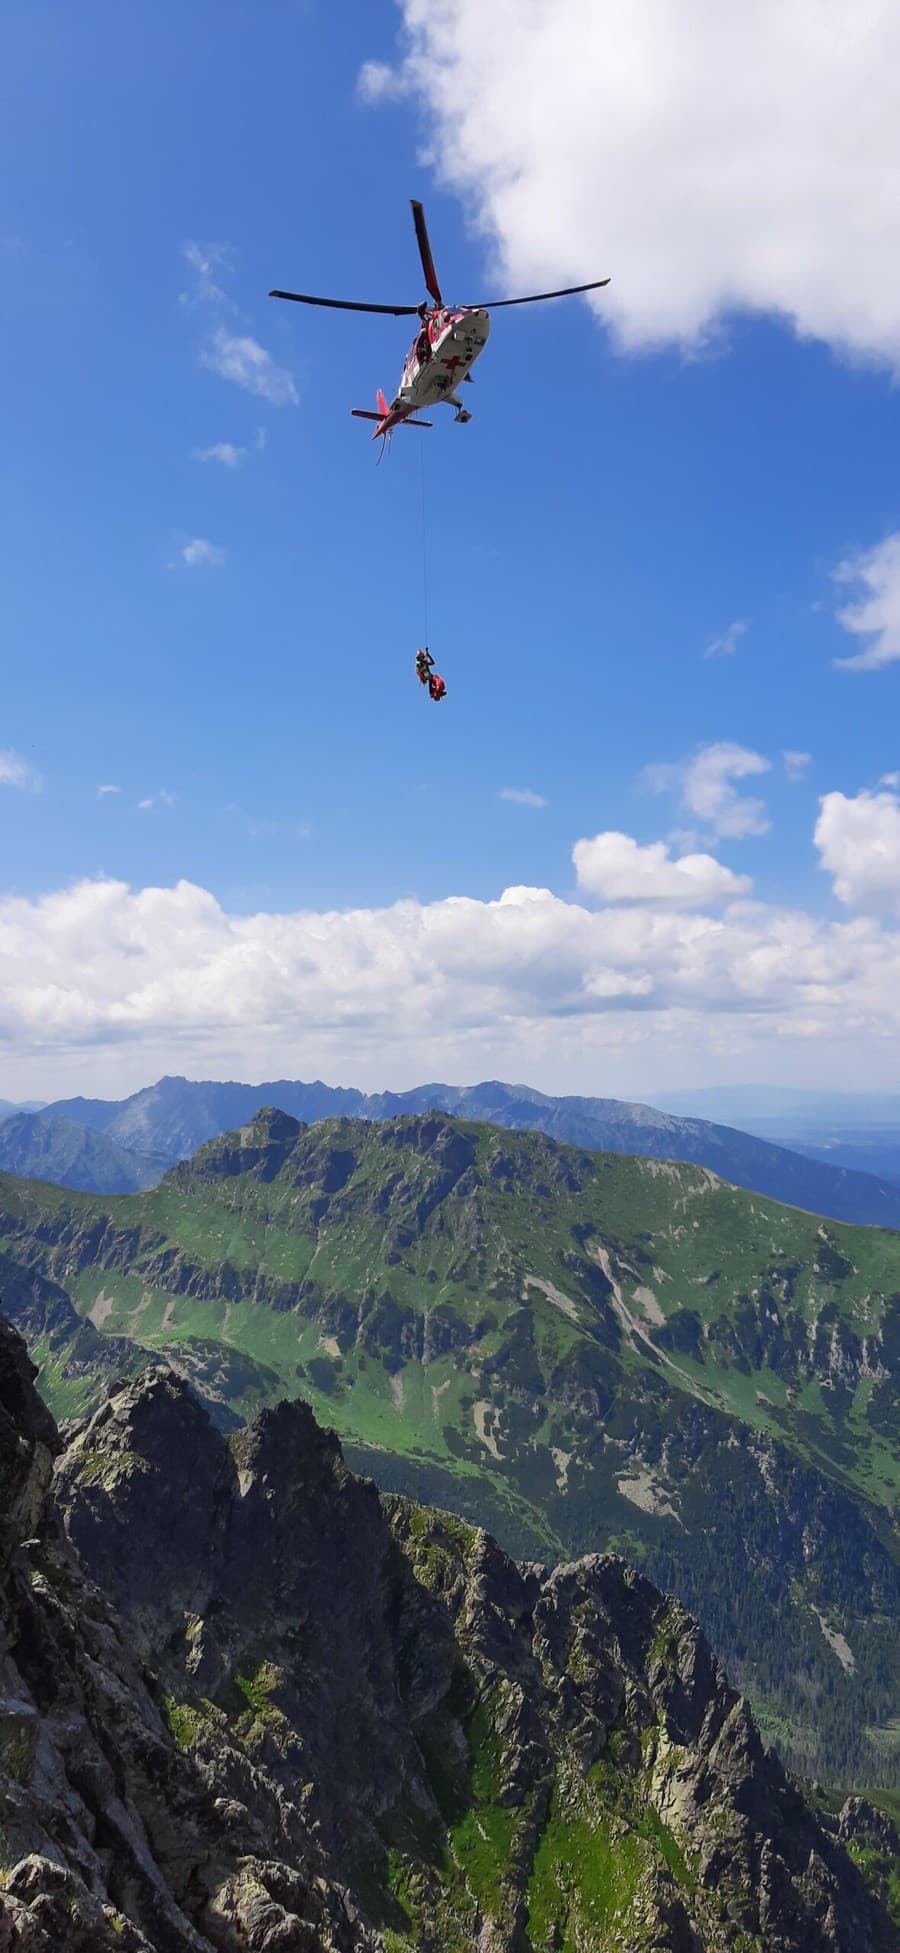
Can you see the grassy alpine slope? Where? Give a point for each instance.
(580, 1351)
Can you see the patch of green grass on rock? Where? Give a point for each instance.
(187, 1720)
(482, 1839)
(584, 1874)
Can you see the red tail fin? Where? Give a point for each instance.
(383, 407)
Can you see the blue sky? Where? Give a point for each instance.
(631, 487)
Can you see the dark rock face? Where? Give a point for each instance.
(110, 1836)
(28, 1441)
(247, 1705)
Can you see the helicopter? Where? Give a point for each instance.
(449, 340)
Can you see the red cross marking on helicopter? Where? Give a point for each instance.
(452, 364)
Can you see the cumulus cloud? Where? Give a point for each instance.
(796, 765)
(616, 868)
(711, 158)
(874, 615)
(225, 452)
(858, 838)
(235, 356)
(726, 644)
(104, 967)
(706, 787)
(16, 772)
(522, 797)
(202, 555)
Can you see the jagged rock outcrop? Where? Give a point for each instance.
(111, 1837)
(248, 1705)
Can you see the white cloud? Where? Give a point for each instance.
(207, 263)
(705, 784)
(617, 869)
(202, 555)
(235, 356)
(378, 82)
(103, 791)
(522, 797)
(890, 780)
(711, 158)
(162, 799)
(224, 452)
(16, 772)
(875, 614)
(858, 838)
(727, 643)
(796, 765)
(104, 968)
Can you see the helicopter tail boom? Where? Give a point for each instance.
(387, 417)
(366, 413)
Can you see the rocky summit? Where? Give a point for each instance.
(247, 1705)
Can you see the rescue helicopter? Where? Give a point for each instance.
(445, 348)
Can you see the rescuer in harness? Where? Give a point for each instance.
(426, 674)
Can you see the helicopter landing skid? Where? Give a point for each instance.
(462, 413)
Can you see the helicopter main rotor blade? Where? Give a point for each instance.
(422, 238)
(536, 297)
(349, 305)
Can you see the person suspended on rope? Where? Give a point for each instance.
(436, 687)
(424, 665)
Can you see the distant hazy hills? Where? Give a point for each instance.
(71, 1155)
(168, 1121)
(860, 1130)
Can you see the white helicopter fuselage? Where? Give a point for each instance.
(441, 356)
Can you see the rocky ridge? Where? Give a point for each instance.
(176, 1115)
(248, 1705)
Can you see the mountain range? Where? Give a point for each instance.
(167, 1122)
(73, 1155)
(582, 1351)
(347, 1724)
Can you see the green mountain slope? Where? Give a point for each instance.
(580, 1351)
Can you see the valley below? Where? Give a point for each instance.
(581, 1352)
